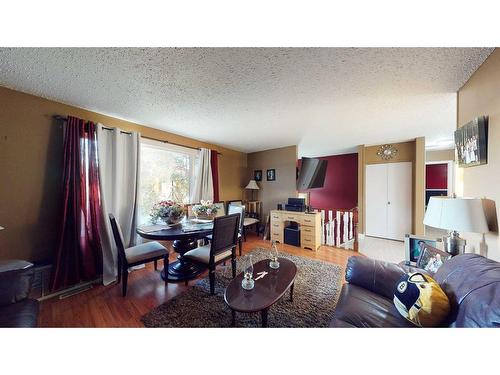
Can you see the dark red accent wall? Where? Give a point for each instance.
(436, 176)
(341, 183)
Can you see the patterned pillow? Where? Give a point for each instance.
(420, 299)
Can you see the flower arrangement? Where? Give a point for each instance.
(168, 211)
(205, 209)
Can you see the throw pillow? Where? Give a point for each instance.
(420, 299)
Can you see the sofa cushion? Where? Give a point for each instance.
(376, 276)
(359, 307)
(472, 284)
(22, 314)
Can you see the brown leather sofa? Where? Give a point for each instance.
(17, 310)
(471, 282)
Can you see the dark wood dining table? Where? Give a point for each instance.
(185, 236)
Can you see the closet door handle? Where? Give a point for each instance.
(388, 202)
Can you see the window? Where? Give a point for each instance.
(166, 172)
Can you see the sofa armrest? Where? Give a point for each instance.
(15, 285)
(376, 276)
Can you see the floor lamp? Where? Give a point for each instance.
(252, 185)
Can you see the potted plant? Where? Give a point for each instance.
(168, 211)
(205, 210)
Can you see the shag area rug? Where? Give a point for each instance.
(317, 287)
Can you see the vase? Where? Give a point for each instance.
(170, 220)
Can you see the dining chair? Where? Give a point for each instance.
(189, 209)
(221, 247)
(250, 219)
(240, 210)
(233, 209)
(135, 255)
(221, 211)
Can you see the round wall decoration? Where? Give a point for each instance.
(387, 152)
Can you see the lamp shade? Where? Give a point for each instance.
(252, 185)
(457, 214)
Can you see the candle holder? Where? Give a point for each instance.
(274, 264)
(248, 282)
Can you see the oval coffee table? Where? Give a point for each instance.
(266, 292)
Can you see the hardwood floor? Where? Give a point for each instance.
(104, 306)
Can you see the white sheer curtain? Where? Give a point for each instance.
(119, 176)
(203, 188)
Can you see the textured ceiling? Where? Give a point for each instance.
(326, 100)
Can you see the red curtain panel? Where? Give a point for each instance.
(214, 164)
(79, 256)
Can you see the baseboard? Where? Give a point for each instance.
(71, 291)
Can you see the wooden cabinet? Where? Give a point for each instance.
(309, 223)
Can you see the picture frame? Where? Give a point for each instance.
(257, 175)
(413, 246)
(471, 143)
(271, 174)
(431, 258)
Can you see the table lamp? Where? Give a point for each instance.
(454, 215)
(252, 185)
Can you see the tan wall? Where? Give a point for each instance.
(284, 160)
(481, 96)
(411, 151)
(440, 155)
(31, 163)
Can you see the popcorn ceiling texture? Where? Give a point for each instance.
(325, 100)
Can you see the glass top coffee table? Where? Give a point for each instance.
(267, 290)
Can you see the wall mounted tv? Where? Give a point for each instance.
(312, 174)
(471, 143)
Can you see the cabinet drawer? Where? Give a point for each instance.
(276, 232)
(277, 226)
(277, 236)
(275, 216)
(308, 220)
(308, 241)
(307, 231)
(292, 217)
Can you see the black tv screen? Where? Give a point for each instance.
(312, 174)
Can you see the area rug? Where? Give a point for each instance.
(317, 287)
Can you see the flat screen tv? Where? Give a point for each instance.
(312, 174)
(471, 143)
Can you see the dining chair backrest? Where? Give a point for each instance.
(233, 209)
(225, 234)
(117, 234)
(221, 208)
(234, 203)
(190, 212)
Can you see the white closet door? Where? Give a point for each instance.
(399, 200)
(376, 200)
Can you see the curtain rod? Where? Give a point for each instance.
(62, 118)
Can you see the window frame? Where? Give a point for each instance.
(193, 155)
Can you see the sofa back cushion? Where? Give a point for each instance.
(472, 284)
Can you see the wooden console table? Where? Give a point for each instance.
(310, 227)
